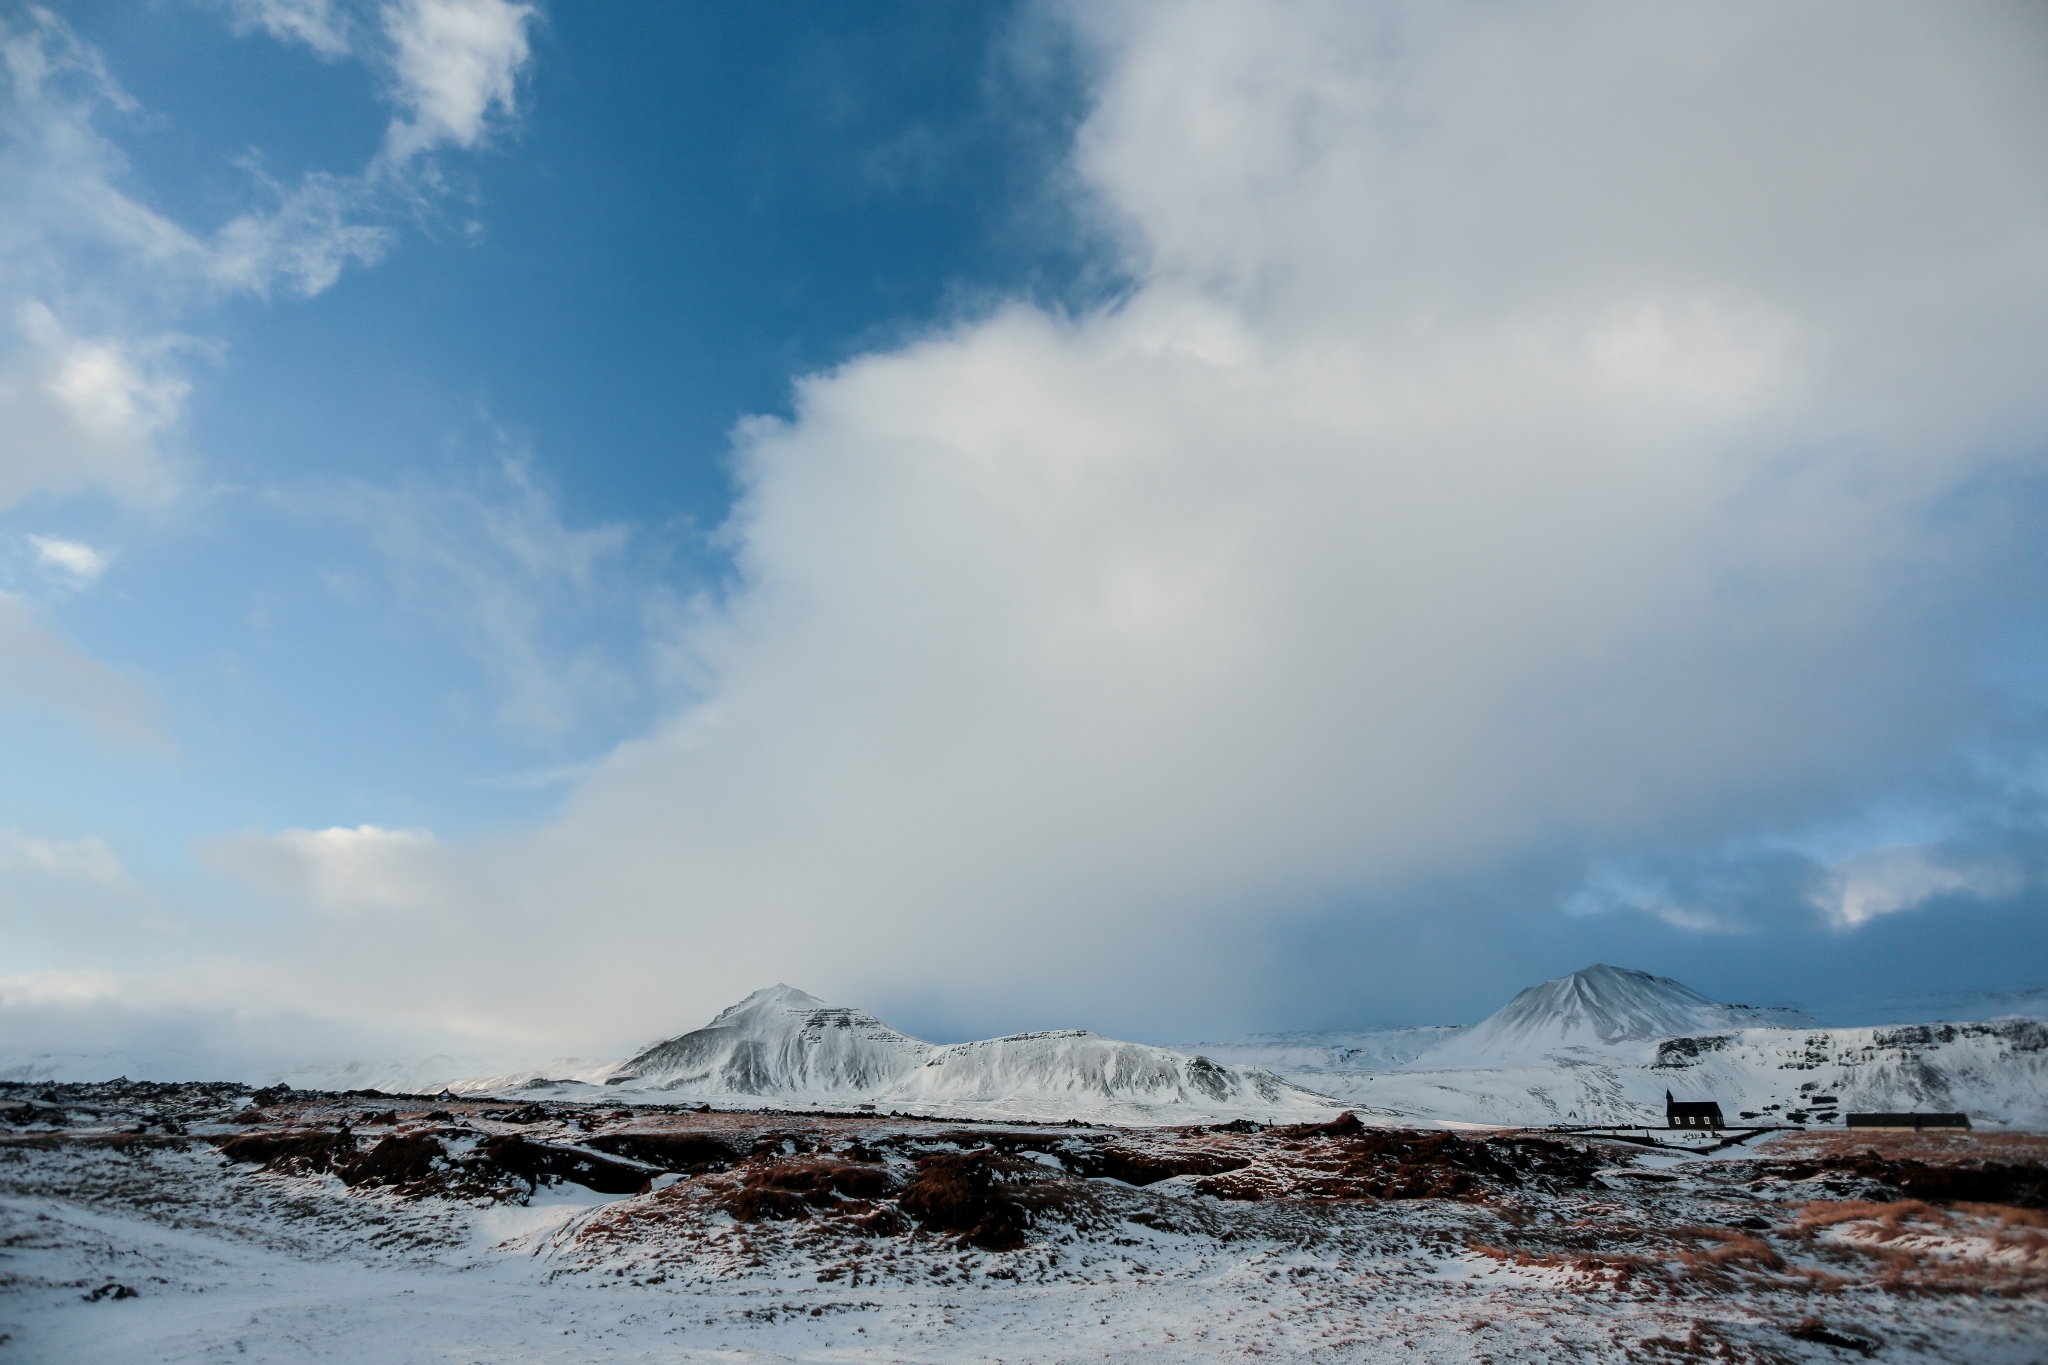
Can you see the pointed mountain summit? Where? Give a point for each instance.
(1601, 1010)
(778, 1041)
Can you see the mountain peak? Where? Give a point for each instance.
(1602, 1008)
(778, 1040)
(777, 996)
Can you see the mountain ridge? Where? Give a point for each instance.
(782, 1044)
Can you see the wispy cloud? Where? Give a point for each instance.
(92, 382)
(1884, 881)
(73, 560)
(99, 291)
(89, 859)
(319, 24)
(491, 559)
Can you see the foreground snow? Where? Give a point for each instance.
(116, 1245)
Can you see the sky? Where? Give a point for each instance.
(521, 523)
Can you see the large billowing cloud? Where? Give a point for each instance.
(1528, 426)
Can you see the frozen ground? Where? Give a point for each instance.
(375, 1229)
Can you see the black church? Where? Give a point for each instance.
(1690, 1113)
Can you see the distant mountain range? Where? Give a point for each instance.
(1600, 1046)
(780, 1045)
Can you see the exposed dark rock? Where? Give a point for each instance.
(294, 1150)
(539, 1161)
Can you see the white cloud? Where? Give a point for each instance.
(340, 870)
(74, 560)
(494, 562)
(318, 24)
(71, 234)
(87, 413)
(93, 381)
(304, 242)
(1884, 881)
(1516, 432)
(94, 371)
(87, 859)
(457, 62)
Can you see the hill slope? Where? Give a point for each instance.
(778, 1041)
(780, 1046)
(1073, 1073)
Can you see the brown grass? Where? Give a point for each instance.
(1971, 1248)
(987, 1197)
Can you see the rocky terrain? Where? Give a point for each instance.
(190, 1222)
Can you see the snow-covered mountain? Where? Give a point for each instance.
(1600, 1046)
(778, 1041)
(1073, 1073)
(1600, 1011)
(782, 1047)
(1603, 1045)
(1996, 1071)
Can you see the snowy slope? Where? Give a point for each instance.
(1603, 1045)
(1997, 1072)
(1072, 1073)
(778, 1041)
(780, 1046)
(1599, 1012)
(1296, 1054)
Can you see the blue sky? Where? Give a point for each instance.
(1013, 514)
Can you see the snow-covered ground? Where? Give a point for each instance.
(119, 1246)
